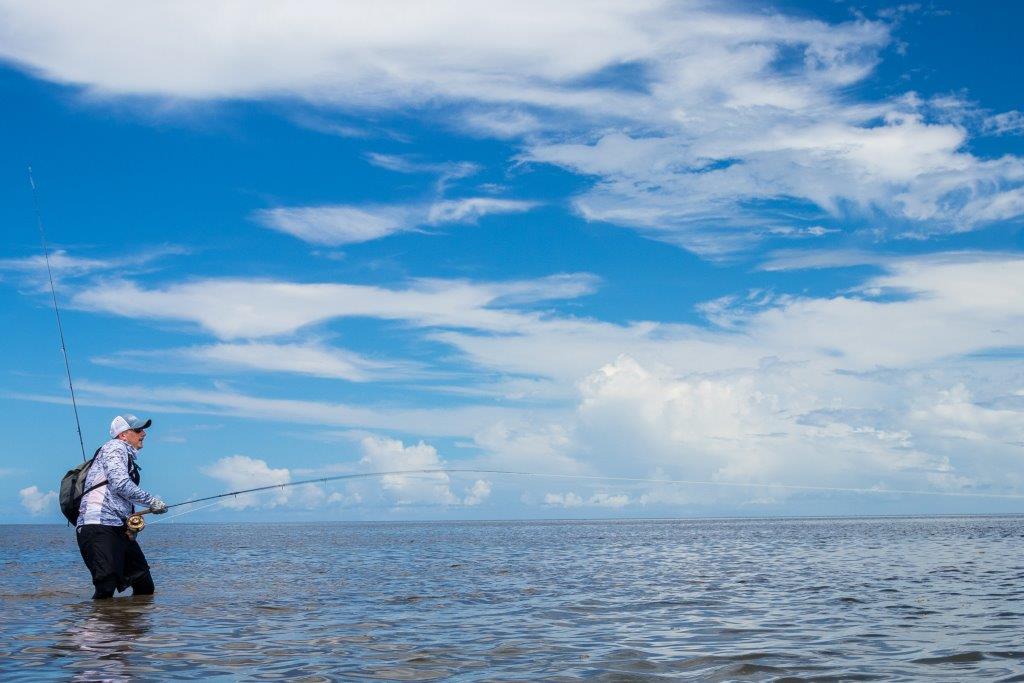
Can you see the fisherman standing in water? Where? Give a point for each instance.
(109, 549)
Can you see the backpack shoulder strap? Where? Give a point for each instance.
(102, 483)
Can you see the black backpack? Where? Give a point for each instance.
(71, 485)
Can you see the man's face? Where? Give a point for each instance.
(133, 437)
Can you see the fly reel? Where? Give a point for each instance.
(136, 524)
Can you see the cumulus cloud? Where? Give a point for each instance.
(565, 500)
(384, 455)
(478, 492)
(609, 500)
(239, 472)
(574, 500)
(879, 383)
(37, 502)
(776, 425)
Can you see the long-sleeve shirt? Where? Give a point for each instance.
(112, 504)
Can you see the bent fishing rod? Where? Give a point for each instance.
(585, 477)
(56, 308)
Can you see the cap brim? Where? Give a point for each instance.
(145, 426)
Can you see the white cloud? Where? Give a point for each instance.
(793, 259)
(609, 500)
(471, 209)
(384, 455)
(1005, 123)
(65, 266)
(338, 225)
(478, 492)
(774, 425)
(461, 421)
(847, 390)
(391, 51)
(855, 389)
(313, 359)
(565, 500)
(716, 108)
(674, 185)
(37, 502)
(446, 172)
(955, 414)
(239, 472)
(342, 224)
(235, 308)
(571, 499)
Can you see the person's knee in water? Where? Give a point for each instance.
(110, 551)
(143, 585)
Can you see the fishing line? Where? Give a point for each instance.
(188, 512)
(56, 309)
(798, 487)
(584, 477)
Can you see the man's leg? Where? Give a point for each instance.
(136, 569)
(100, 550)
(143, 585)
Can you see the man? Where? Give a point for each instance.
(110, 551)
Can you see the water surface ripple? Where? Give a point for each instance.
(720, 600)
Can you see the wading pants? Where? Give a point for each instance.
(114, 560)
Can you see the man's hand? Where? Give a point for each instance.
(158, 507)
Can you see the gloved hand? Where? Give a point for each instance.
(158, 507)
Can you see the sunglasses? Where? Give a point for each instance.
(139, 430)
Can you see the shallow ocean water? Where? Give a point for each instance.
(937, 598)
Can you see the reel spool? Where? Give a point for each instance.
(136, 524)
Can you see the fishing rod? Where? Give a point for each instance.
(585, 477)
(56, 309)
(136, 523)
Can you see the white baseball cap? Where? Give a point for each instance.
(122, 423)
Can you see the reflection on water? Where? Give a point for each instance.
(102, 634)
(892, 599)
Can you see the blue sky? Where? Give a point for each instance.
(702, 241)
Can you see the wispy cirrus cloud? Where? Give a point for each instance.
(445, 171)
(66, 266)
(224, 400)
(1005, 123)
(237, 308)
(343, 224)
(695, 121)
(309, 358)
